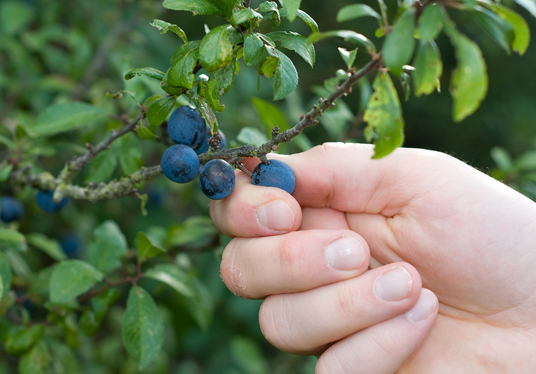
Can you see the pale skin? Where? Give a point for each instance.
(456, 249)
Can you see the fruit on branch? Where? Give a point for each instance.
(275, 174)
(180, 163)
(12, 209)
(204, 147)
(187, 126)
(217, 179)
(46, 202)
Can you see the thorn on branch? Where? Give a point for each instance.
(275, 131)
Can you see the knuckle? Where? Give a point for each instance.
(348, 298)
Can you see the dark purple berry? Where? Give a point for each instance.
(187, 126)
(275, 174)
(46, 202)
(12, 209)
(180, 163)
(217, 179)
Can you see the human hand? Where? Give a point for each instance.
(424, 214)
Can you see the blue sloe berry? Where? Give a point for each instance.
(217, 179)
(12, 209)
(71, 244)
(180, 163)
(46, 202)
(204, 147)
(187, 126)
(275, 174)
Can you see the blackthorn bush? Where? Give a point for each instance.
(187, 126)
(180, 163)
(46, 202)
(275, 174)
(217, 179)
(12, 209)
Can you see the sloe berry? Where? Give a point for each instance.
(180, 163)
(12, 209)
(275, 174)
(204, 144)
(217, 179)
(46, 202)
(187, 126)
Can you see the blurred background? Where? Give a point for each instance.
(56, 51)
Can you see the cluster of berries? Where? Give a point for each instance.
(11, 209)
(180, 164)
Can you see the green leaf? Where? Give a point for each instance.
(252, 136)
(64, 360)
(103, 165)
(270, 115)
(144, 133)
(297, 43)
(308, 20)
(502, 158)
(71, 278)
(348, 56)
(248, 356)
(246, 15)
(519, 25)
(469, 82)
(384, 117)
(158, 111)
(7, 142)
(183, 62)
(130, 154)
(253, 49)
(36, 361)
(148, 72)
(65, 117)
(12, 239)
(347, 35)
(15, 16)
(354, 11)
(291, 8)
(198, 7)
(399, 43)
(529, 5)
(107, 247)
(430, 22)
(146, 247)
(428, 68)
(143, 327)
(5, 275)
(286, 77)
(164, 27)
(219, 84)
(50, 246)
(5, 171)
(215, 50)
(23, 339)
(201, 306)
(499, 29)
(269, 66)
(174, 277)
(19, 266)
(195, 231)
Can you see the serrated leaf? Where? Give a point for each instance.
(23, 339)
(291, 8)
(268, 66)
(220, 82)
(354, 11)
(252, 136)
(428, 68)
(164, 27)
(107, 247)
(148, 72)
(65, 117)
(347, 35)
(399, 43)
(12, 239)
(72, 278)
(50, 246)
(286, 77)
(183, 62)
(146, 247)
(130, 154)
(143, 327)
(469, 82)
(5, 275)
(500, 30)
(174, 277)
(348, 56)
(215, 50)
(308, 20)
(521, 29)
(253, 49)
(158, 111)
(36, 361)
(529, 5)
(384, 116)
(430, 22)
(270, 115)
(297, 43)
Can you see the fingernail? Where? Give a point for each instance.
(395, 285)
(276, 215)
(424, 308)
(345, 254)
